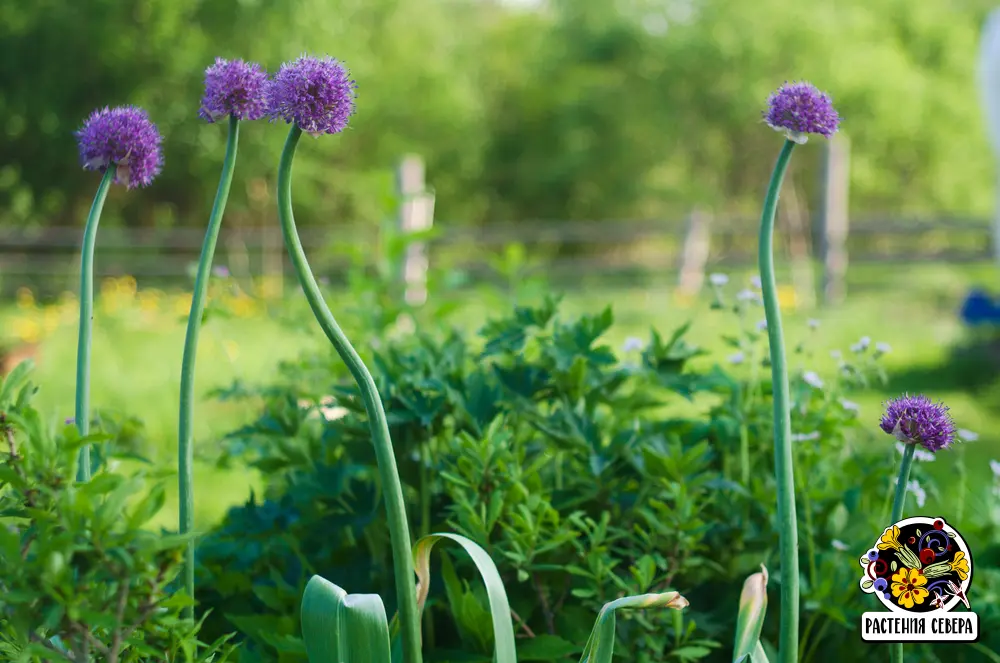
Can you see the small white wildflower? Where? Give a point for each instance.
(718, 279)
(762, 325)
(813, 323)
(883, 348)
(850, 406)
(755, 282)
(966, 435)
(633, 344)
(747, 296)
(330, 410)
(861, 345)
(836, 354)
(736, 358)
(837, 544)
(812, 379)
(995, 467)
(919, 494)
(805, 437)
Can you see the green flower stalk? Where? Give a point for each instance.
(233, 89)
(399, 530)
(317, 96)
(796, 110)
(123, 144)
(914, 420)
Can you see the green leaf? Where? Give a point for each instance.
(14, 380)
(691, 652)
(342, 628)
(601, 644)
(503, 627)
(148, 507)
(750, 620)
(546, 648)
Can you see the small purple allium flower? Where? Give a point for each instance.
(317, 94)
(234, 87)
(799, 109)
(221, 271)
(123, 136)
(916, 419)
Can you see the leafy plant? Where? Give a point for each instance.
(586, 473)
(83, 580)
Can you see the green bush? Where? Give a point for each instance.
(82, 580)
(585, 475)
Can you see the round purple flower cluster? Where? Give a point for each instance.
(799, 109)
(317, 94)
(234, 88)
(123, 137)
(918, 420)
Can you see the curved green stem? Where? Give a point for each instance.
(185, 441)
(899, 498)
(82, 413)
(399, 532)
(784, 472)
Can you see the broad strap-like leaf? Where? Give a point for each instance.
(338, 627)
(503, 627)
(750, 620)
(601, 644)
(759, 655)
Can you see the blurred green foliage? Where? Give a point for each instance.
(568, 109)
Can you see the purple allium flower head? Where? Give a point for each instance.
(317, 94)
(123, 136)
(916, 419)
(234, 87)
(799, 109)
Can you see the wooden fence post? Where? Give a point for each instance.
(797, 227)
(416, 214)
(695, 253)
(833, 219)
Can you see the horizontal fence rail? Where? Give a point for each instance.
(48, 258)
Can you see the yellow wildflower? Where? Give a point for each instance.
(182, 304)
(960, 565)
(908, 587)
(890, 539)
(25, 300)
(127, 286)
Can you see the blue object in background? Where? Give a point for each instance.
(979, 309)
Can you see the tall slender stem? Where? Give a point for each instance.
(82, 413)
(185, 441)
(784, 472)
(399, 532)
(899, 498)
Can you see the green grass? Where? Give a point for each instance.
(913, 308)
(136, 371)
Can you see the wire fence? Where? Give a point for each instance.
(566, 252)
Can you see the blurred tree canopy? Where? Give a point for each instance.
(566, 109)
